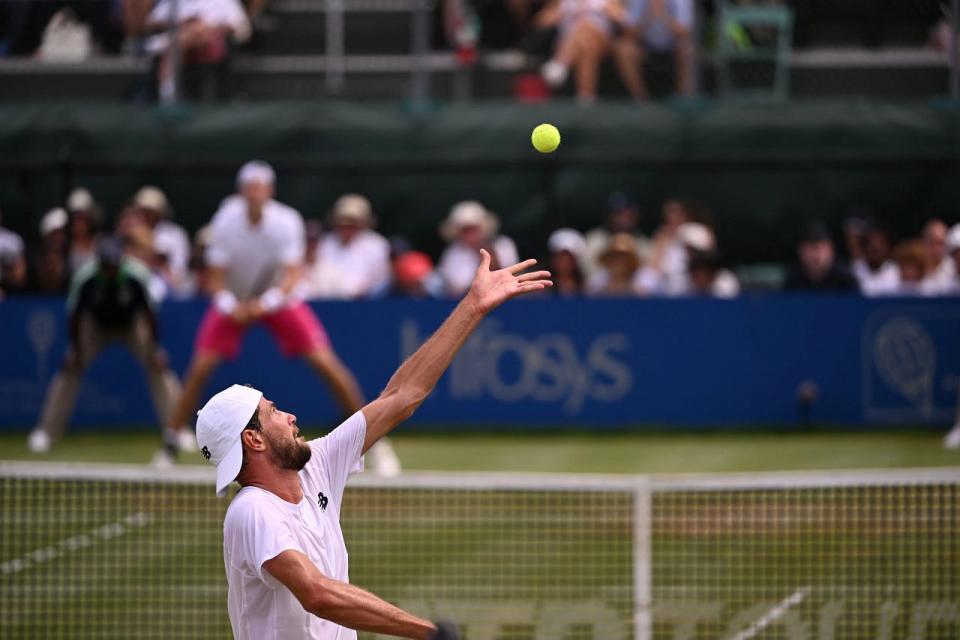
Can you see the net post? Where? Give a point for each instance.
(642, 581)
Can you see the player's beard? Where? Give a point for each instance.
(290, 454)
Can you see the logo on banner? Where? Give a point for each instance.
(548, 368)
(911, 363)
(906, 360)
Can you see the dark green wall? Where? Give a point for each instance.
(763, 169)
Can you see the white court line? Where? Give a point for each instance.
(75, 543)
(773, 615)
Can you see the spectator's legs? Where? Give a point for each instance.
(592, 49)
(628, 56)
(683, 66)
(62, 392)
(163, 383)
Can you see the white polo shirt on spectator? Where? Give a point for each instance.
(366, 258)
(941, 279)
(656, 35)
(885, 281)
(254, 256)
(260, 525)
(459, 263)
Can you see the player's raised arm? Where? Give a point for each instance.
(416, 377)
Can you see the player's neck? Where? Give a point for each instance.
(283, 483)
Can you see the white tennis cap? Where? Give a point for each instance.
(219, 424)
(256, 171)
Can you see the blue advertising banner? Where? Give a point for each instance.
(547, 362)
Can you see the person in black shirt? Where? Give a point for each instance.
(109, 302)
(818, 270)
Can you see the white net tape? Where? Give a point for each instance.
(125, 552)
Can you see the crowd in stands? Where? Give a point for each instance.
(346, 258)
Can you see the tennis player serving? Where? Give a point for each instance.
(283, 550)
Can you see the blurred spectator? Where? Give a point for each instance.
(623, 216)
(414, 276)
(197, 283)
(13, 264)
(668, 256)
(50, 271)
(138, 243)
(208, 28)
(585, 28)
(691, 238)
(940, 271)
(567, 248)
(86, 216)
(953, 247)
(171, 243)
(321, 278)
(818, 269)
(876, 273)
(854, 229)
(656, 27)
(707, 277)
(109, 302)
(468, 228)
(352, 260)
(913, 263)
(621, 274)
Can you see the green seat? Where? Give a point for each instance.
(734, 24)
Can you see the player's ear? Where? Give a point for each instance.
(252, 439)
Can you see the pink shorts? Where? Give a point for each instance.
(296, 329)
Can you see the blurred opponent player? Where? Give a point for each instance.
(109, 302)
(283, 549)
(255, 256)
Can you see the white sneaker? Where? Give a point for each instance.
(952, 439)
(163, 460)
(555, 73)
(38, 442)
(383, 460)
(187, 441)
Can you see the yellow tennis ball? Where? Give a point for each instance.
(545, 138)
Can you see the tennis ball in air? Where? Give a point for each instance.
(546, 138)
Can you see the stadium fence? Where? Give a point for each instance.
(121, 551)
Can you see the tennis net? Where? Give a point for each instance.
(123, 552)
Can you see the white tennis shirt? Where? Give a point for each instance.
(254, 256)
(259, 526)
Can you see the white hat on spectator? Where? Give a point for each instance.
(219, 425)
(468, 213)
(567, 240)
(256, 171)
(696, 236)
(953, 238)
(352, 208)
(53, 220)
(80, 199)
(153, 199)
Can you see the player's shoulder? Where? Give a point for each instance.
(249, 506)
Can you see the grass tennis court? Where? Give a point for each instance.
(582, 453)
(142, 559)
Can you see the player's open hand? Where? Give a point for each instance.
(490, 289)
